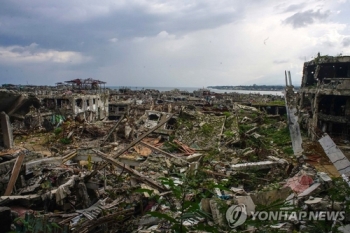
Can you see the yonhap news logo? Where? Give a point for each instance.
(236, 215)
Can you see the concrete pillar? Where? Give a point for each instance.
(290, 79)
(6, 130)
(315, 110)
(302, 100)
(330, 127)
(347, 107)
(285, 76)
(331, 108)
(73, 103)
(324, 127)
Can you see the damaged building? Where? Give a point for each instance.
(118, 109)
(80, 99)
(148, 161)
(324, 96)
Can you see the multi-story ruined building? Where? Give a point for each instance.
(324, 96)
(80, 99)
(118, 109)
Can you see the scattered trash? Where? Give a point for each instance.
(96, 160)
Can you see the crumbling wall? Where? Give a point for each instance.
(6, 167)
(325, 96)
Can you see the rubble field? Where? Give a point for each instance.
(163, 162)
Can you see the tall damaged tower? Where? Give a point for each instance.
(325, 96)
(292, 114)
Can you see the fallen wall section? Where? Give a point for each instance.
(335, 155)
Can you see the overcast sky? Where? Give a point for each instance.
(174, 43)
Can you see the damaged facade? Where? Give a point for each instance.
(325, 96)
(35, 107)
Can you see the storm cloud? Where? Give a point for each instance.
(157, 43)
(302, 19)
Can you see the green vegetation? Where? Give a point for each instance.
(32, 224)
(288, 150)
(185, 205)
(187, 195)
(227, 114)
(229, 134)
(229, 122)
(207, 129)
(273, 132)
(57, 131)
(213, 153)
(244, 128)
(170, 146)
(271, 103)
(184, 121)
(280, 137)
(65, 141)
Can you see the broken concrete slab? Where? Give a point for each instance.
(252, 166)
(313, 200)
(194, 157)
(335, 155)
(216, 213)
(6, 130)
(344, 229)
(268, 197)
(38, 164)
(313, 188)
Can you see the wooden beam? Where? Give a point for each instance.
(162, 151)
(132, 172)
(112, 130)
(70, 156)
(216, 173)
(15, 172)
(137, 140)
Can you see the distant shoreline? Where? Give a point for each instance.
(191, 89)
(252, 88)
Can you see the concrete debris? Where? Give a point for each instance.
(299, 183)
(270, 196)
(344, 229)
(6, 130)
(80, 157)
(254, 166)
(291, 107)
(218, 216)
(310, 190)
(335, 155)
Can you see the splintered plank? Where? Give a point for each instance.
(162, 151)
(112, 130)
(137, 140)
(133, 143)
(15, 172)
(132, 172)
